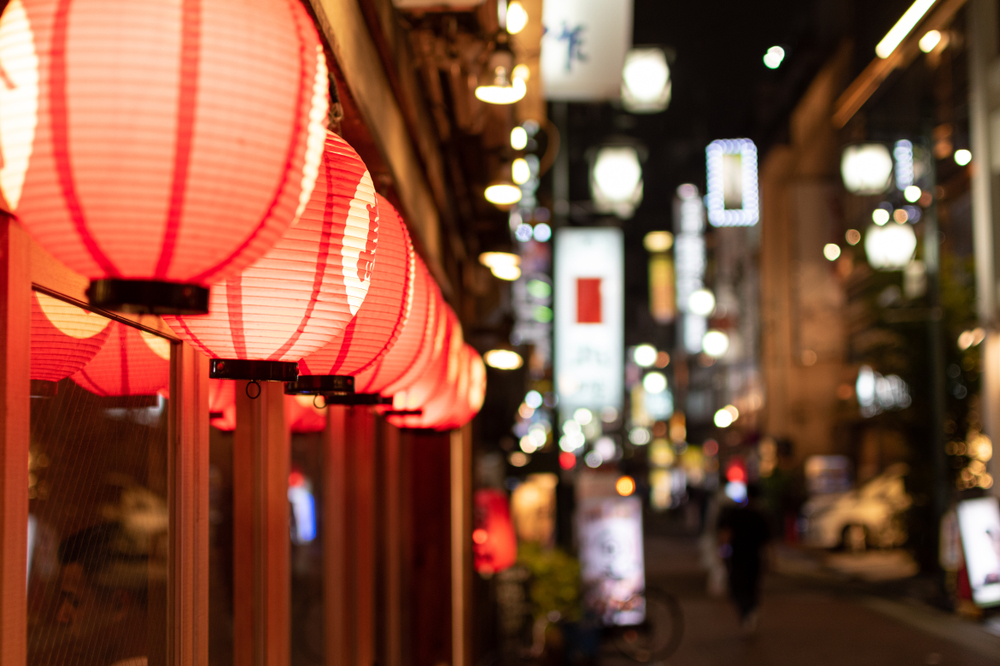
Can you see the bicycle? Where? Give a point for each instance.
(659, 636)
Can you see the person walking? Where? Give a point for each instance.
(743, 536)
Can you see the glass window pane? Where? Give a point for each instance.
(98, 514)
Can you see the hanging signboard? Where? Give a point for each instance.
(589, 303)
(612, 567)
(583, 48)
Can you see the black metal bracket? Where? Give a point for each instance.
(256, 371)
(321, 384)
(402, 412)
(148, 297)
(357, 399)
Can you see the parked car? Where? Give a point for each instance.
(865, 517)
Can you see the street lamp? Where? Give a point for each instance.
(502, 87)
(866, 168)
(890, 247)
(646, 86)
(616, 180)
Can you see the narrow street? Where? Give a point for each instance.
(806, 620)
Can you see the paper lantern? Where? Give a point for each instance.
(409, 357)
(159, 147)
(435, 391)
(131, 363)
(380, 319)
(302, 416)
(222, 404)
(304, 290)
(494, 543)
(64, 338)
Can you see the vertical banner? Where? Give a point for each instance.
(583, 48)
(589, 304)
(612, 567)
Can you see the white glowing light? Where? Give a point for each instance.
(639, 436)
(494, 259)
(890, 248)
(593, 459)
(583, 416)
(646, 86)
(644, 356)
(517, 17)
(533, 399)
(654, 382)
(903, 26)
(518, 138)
(527, 444)
(701, 303)
(502, 94)
(831, 251)
(912, 194)
(880, 216)
(929, 41)
(773, 57)
(503, 359)
(715, 343)
(508, 273)
(903, 153)
(616, 180)
(523, 232)
(732, 183)
(542, 232)
(503, 194)
(962, 157)
(723, 418)
(866, 168)
(520, 172)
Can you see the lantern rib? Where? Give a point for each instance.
(186, 105)
(234, 308)
(296, 133)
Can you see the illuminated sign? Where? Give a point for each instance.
(979, 524)
(612, 567)
(589, 294)
(689, 259)
(584, 47)
(733, 199)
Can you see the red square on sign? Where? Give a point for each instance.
(588, 300)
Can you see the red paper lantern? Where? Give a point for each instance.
(302, 416)
(222, 404)
(305, 289)
(469, 393)
(159, 147)
(494, 543)
(435, 392)
(413, 351)
(64, 338)
(131, 363)
(380, 319)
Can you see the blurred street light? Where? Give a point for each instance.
(616, 180)
(646, 86)
(774, 57)
(520, 172)
(929, 41)
(654, 382)
(903, 26)
(658, 241)
(891, 247)
(517, 18)
(518, 138)
(644, 356)
(831, 251)
(962, 157)
(701, 303)
(866, 168)
(501, 86)
(503, 359)
(715, 343)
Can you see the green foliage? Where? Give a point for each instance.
(555, 581)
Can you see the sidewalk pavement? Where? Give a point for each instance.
(807, 619)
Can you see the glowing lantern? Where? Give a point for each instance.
(159, 147)
(222, 404)
(413, 351)
(494, 543)
(64, 338)
(381, 318)
(302, 415)
(304, 290)
(132, 362)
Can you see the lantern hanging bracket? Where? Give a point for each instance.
(253, 395)
(148, 297)
(357, 399)
(402, 412)
(256, 371)
(327, 385)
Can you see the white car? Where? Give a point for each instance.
(868, 516)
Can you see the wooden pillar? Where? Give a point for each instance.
(15, 427)
(461, 546)
(349, 537)
(391, 494)
(261, 544)
(187, 604)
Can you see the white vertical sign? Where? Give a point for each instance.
(583, 48)
(589, 313)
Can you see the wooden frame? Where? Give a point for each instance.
(25, 265)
